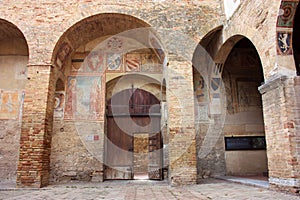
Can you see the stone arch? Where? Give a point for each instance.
(81, 58)
(91, 28)
(212, 41)
(226, 48)
(159, 21)
(14, 58)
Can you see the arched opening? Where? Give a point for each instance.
(13, 77)
(91, 57)
(296, 39)
(245, 146)
(230, 134)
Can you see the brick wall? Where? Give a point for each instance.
(37, 122)
(182, 143)
(48, 24)
(281, 114)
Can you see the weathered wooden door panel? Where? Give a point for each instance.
(130, 112)
(155, 157)
(119, 153)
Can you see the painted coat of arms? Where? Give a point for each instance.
(114, 62)
(133, 62)
(284, 42)
(95, 61)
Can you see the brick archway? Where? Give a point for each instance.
(89, 29)
(110, 45)
(239, 66)
(37, 129)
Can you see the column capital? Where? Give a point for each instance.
(272, 83)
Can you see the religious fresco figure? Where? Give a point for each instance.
(83, 100)
(94, 99)
(71, 103)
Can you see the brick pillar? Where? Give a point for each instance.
(37, 121)
(181, 126)
(281, 107)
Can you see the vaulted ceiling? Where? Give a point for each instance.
(8, 30)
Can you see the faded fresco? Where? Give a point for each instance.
(157, 47)
(93, 63)
(115, 44)
(200, 89)
(201, 97)
(63, 53)
(98, 62)
(287, 9)
(9, 104)
(248, 94)
(59, 102)
(114, 62)
(150, 64)
(84, 98)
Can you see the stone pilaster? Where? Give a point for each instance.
(281, 106)
(181, 126)
(36, 130)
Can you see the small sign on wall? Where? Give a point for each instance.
(92, 138)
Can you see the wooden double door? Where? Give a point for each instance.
(130, 113)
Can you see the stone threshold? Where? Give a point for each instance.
(245, 181)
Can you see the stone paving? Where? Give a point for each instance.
(145, 190)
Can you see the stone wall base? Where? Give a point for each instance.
(285, 184)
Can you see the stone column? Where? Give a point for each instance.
(281, 107)
(181, 126)
(36, 130)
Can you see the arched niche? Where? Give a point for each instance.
(242, 75)
(13, 77)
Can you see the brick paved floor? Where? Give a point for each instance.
(145, 190)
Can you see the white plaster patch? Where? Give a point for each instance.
(291, 182)
(230, 7)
